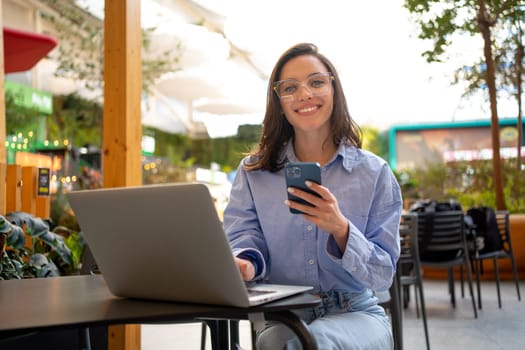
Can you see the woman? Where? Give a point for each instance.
(346, 244)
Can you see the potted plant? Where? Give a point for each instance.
(30, 249)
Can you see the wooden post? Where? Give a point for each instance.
(29, 179)
(43, 207)
(122, 132)
(124, 337)
(3, 187)
(122, 94)
(13, 188)
(3, 157)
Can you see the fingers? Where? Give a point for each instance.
(325, 211)
(246, 268)
(316, 201)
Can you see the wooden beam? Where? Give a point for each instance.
(3, 157)
(124, 337)
(3, 188)
(14, 185)
(122, 132)
(29, 181)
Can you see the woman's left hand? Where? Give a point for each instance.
(325, 211)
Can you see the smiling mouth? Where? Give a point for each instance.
(307, 109)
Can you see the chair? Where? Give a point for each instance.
(230, 327)
(442, 243)
(506, 252)
(409, 268)
(88, 267)
(391, 301)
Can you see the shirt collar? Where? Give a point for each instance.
(347, 153)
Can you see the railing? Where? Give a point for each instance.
(19, 191)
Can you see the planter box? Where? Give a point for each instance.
(517, 233)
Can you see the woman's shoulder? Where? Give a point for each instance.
(249, 160)
(359, 155)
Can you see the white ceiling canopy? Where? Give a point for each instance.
(161, 113)
(222, 79)
(210, 76)
(48, 81)
(191, 45)
(157, 114)
(227, 106)
(190, 84)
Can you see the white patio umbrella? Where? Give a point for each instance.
(190, 45)
(190, 84)
(158, 114)
(165, 114)
(225, 106)
(222, 95)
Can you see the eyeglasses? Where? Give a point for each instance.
(317, 84)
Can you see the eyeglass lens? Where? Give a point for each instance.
(318, 84)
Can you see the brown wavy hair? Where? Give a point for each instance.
(276, 129)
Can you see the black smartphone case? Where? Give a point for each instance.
(296, 174)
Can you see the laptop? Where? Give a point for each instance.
(166, 242)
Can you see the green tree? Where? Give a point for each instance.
(80, 53)
(375, 141)
(469, 182)
(440, 20)
(513, 57)
(509, 61)
(76, 119)
(19, 119)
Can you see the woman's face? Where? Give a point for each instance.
(307, 94)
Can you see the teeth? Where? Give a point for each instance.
(306, 110)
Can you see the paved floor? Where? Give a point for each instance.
(449, 328)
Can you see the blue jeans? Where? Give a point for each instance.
(346, 321)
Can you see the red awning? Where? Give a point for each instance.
(22, 49)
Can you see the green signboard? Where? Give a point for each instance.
(25, 96)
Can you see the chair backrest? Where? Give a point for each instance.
(391, 301)
(485, 226)
(502, 220)
(408, 233)
(441, 235)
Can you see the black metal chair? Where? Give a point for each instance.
(88, 267)
(409, 268)
(391, 301)
(230, 327)
(506, 252)
(443, 244)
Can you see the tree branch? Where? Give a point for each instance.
(503, 7)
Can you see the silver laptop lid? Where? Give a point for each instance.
(161, 242)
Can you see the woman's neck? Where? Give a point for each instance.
(314, 150)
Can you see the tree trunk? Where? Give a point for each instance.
(484, 24)
(519, 82)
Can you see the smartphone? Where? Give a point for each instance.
(296, 174)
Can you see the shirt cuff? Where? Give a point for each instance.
(256, 259)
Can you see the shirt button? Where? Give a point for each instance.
(309, 228)
(311, 261)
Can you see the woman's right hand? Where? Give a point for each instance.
(246, 268)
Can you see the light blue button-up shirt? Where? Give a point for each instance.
(291, 250)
